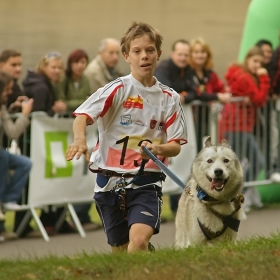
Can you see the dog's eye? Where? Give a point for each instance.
(209, 160)
(226, 160)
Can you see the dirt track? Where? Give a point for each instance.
(258, 223)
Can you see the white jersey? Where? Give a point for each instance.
(127, 112)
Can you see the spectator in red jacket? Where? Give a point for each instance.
(207, 84)
(251, 81)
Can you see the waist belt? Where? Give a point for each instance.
(111, 173)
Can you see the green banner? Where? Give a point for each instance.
(51, 170)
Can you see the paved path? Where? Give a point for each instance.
(258, 223)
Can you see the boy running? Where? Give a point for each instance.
(131, 112)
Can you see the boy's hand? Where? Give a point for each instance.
(77, 148)
(150, 147)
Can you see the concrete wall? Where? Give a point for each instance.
(35, 27)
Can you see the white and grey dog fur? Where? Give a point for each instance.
(210, 207)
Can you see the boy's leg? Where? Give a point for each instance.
(114, 220)
(139, 237)
(119, 249)
(144, 210)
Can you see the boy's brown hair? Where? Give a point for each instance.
(138, 30)
(6, 54)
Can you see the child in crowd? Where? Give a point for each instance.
(132, 111)
(251, 81)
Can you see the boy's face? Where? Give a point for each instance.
(142, 57)
(12, 66)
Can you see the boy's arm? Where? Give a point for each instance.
(79, 145)
(170, 149)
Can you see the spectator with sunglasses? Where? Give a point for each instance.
(39, 84)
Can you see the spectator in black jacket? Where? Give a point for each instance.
(266, 47)
(38, 84)
(268, 110)
(274, 74)
(175, 71)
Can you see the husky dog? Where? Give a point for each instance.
(210, 207)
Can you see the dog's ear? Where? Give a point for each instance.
(208, 142)
(225, 143)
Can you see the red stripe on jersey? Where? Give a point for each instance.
(170, 121)
(109, 101)
(165, 91)
(89, 118)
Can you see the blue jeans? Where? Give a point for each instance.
(11, 186)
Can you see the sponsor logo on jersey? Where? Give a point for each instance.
(161, 126)
(126, 120)
(153, 124)
(133, 102)
(139, 122)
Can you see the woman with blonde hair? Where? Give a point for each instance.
(207, 84)
(39, 84)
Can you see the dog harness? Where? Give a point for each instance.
(228, 220)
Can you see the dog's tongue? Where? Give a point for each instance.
(216, 183)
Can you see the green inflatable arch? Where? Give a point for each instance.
(262, 22)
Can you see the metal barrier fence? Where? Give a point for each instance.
(252, 132)
(257, 147)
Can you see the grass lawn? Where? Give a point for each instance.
(258, 258)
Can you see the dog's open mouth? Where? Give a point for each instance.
(217, 184)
